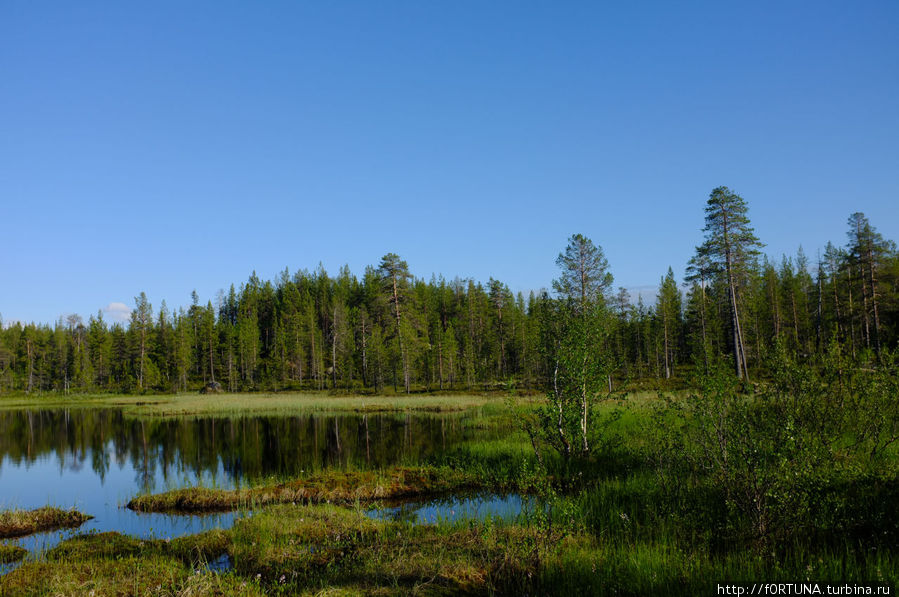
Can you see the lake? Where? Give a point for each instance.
(96, 460)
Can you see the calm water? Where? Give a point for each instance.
(97, 460)
(456, 507)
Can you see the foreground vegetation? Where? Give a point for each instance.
(322, 549)
(17, 523)
(291, 550)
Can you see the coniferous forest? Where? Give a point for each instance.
(391, 331)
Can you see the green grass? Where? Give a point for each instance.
(17, 523)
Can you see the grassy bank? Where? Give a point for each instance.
(253, 404)
(336, 487)
(17, 523)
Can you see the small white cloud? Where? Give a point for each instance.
(119, 312)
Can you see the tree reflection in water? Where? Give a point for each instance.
(222, 451)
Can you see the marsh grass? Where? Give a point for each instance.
(115, 564)
(325, 549)
(294, 548)
(290, 550)
(17, 523)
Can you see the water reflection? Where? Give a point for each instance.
(96, 460)
(507, 507)
(224, 452)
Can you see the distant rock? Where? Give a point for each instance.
(213, 387)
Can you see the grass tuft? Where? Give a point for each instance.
(11, 553)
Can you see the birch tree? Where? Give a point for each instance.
(575, 328)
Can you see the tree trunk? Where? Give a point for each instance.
(334, 348)
(667, 364)
(851, 309)
(739, 349)
(871, 267)
(560, 429)
(399, 335)
(364, 361)
(865, 306)
(440, 362)
(795, 317)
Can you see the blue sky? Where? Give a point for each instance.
(172, 146)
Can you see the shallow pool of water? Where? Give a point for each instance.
(454, 508)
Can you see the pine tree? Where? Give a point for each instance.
(394, 274)
(584, 277)
(730, 248)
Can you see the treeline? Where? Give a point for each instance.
(389, 330)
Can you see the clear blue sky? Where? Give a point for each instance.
(171, 146)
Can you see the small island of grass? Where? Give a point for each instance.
(11, 553)
(335, 487)
(17, 523)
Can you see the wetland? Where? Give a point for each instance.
(453, 499)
